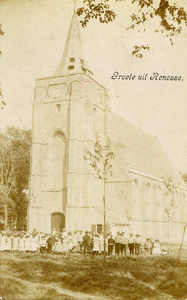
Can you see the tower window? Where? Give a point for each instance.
(58, 107)
(70, 67)
(72, 59)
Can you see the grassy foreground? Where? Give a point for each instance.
(44, 277)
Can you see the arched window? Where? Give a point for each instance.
(58, 161)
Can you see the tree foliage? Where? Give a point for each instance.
(101, 157)
(14, 173)
(136, 51)
(170, 205)
(2, 102)
(100, 160)
(171, 17)
(170, 192)
(100, 11)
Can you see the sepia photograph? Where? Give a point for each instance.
(93, 149)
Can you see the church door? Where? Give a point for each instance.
(57, 222)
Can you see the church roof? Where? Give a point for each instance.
(72, 60)
(143, 151)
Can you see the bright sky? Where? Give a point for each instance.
(35, 34)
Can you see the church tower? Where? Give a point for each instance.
(69, 108)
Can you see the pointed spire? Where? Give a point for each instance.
(72, 60)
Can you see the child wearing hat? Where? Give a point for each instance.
(156, 248)
(80, 240)
(96, 243)
(147, 246)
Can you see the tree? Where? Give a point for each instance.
(170, 205)
(14, 175)
(100, 160)
(172, 18)
(100, 11)
(1, 94)
(7, 205)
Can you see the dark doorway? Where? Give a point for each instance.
(99, 228)
(57, 222)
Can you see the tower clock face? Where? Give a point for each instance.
(56, 93)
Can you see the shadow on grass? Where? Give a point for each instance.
(15, 290)
(131, 278)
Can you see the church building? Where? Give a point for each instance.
(69, 109)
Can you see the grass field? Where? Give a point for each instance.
(44, 277)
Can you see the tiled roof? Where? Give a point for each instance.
(143, 151)
(72, 60)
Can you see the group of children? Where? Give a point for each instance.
(77, 241)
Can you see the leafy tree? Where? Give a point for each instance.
(1, 94)
(14, 175)
(7, 206)
(100, 160)
(100, 11)
(172, 18)
(170, 205)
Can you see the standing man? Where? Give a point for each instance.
(117, 243)
(131, 244)
(137, 244)
(50, 242)
(123, 245)
(86, 242)
(111, 243)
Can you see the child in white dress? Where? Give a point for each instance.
(65, 245)
(15, 246)
(3, 238)
(8, 244)
(96, 244)
(27, 243)
(22, 243)
(156, 248)
(34, 243)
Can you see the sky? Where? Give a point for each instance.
(32, 47)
